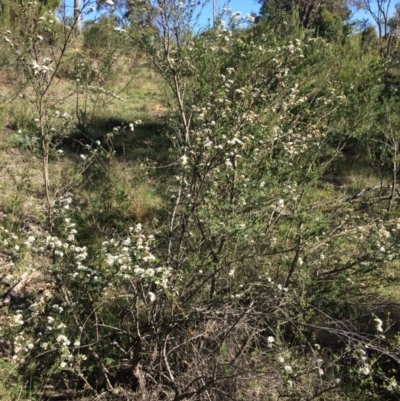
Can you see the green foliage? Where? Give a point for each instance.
(369, 38)
(101, 37)
(311, 13)
(329, 25)
(11, 12)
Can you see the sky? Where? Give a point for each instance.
(243, 6)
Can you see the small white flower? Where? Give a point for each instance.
(63, 365)
(281, 359)
(152, 296)
(184, 160)
(379, 324)
(18, 319)
(250, 18)
(63, 340)
(270, 340)
(365, 370)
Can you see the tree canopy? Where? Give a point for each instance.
(309, 11)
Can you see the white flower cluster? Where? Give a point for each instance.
(392, 385)
(63, 203)
(132, 257)
(22, 344)
(37, 68)
(8, 239)
(379, 324)
(18, 319)
(101, 90)
(318, 368)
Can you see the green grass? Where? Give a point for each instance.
(11, 385)
(126, 186)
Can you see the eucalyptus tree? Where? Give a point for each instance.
(308, 10)
(78, 17)
(380, 11)
(386, 17)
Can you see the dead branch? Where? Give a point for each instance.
(6, 265)
(17, 288)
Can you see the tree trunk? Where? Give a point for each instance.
(78, 17)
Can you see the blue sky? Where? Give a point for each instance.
(243, 6)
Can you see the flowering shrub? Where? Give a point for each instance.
(58, 325)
